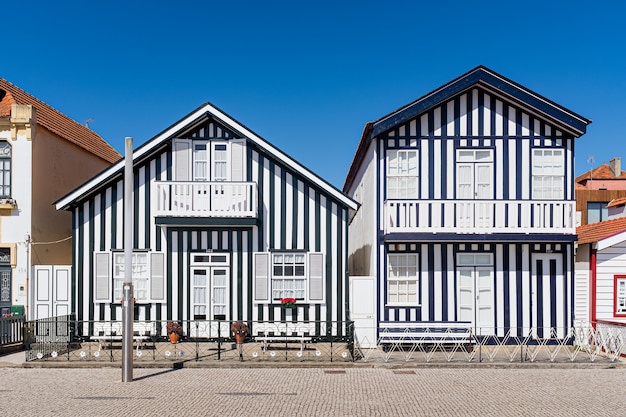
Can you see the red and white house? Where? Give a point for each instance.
(601, 272)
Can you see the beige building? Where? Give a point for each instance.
(43, 156)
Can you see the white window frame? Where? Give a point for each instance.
(470, 186)
(548, 174)
(141, 276)
(5, 169)
(293, 284)
(619, 309)
(403, 279)
(402, 174)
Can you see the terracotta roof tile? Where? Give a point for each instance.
(616, 202)
(593, 232)
(56, 122)
(603, 172)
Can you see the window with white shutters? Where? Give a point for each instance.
(148, 275)
(298, 275)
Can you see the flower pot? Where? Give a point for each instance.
(239, 338)
(174, 337)
(289, 305)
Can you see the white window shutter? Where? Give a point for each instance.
(157, 277)
(238, 160)
(261, 277)
(102, 281)
(182, 159)
(316, 277)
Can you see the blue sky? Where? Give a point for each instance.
(307, 76)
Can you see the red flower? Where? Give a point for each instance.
(288, 300)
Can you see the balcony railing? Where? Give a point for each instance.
(205, 199)
(480, 216)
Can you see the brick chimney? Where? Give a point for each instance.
(616, 166)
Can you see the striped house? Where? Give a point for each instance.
(467, 208)
(225, 226)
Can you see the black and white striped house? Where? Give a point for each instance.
(467, 208)
(225, 226)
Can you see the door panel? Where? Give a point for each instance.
(476, 298)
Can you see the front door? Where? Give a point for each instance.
(210, 275)
(5, 290)
(475, 292)
(363, 310)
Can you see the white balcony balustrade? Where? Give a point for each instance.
(480, 216)
(205, 199)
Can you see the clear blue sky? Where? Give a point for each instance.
(307, 76)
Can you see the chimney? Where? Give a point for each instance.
(616, 166)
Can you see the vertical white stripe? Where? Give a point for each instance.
(450, 118)
(450, 169)
(437, 121)
(512, 173)
(512, 122)
(499, 296)
(463, 114)
(301, 202)
(140, 209)
(500, 174)
(437, 282)
(499, 118)
(277, 200)
(153, 234)
(107, 219)
(524, 172)
(537, 127)
(119, 225)
(262, 205)
(424, 124)
(475, 113)
(548, 130)
(413, 128)
(424, 283)
(402, 131)
(487, 115)
(335, 283)
(289, 211)
(526, 291)
(512, 297)
(437, 168)
(312, 224)
(424, 173)
(525, 124)
(451, 278)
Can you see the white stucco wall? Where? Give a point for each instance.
(362, 229)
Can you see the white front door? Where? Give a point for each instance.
(210, 293)
(52, 291)
(476, 297)
(363, 310)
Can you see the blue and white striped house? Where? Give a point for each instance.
(467, 208)
(225, 226)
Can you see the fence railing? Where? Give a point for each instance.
(200, 340)
(11, 332)
(65, 339)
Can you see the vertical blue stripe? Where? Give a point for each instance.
(506, 286)
(539, 292)
(553, 295)
(518, 286)
(444, 282)
(431, 281)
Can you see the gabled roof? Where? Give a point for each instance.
(603, 172)
(479, 76)
(594, 232)
(203, 111)
(56, 122)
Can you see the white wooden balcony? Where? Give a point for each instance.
(205, 199)
(480, 216)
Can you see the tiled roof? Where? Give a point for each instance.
(56, 122)
(594, 232)
(603, 172)
(616, 202)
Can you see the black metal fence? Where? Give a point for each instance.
(63, 338)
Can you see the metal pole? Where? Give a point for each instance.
(128, 302)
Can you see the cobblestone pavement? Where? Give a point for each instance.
(314, 391)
